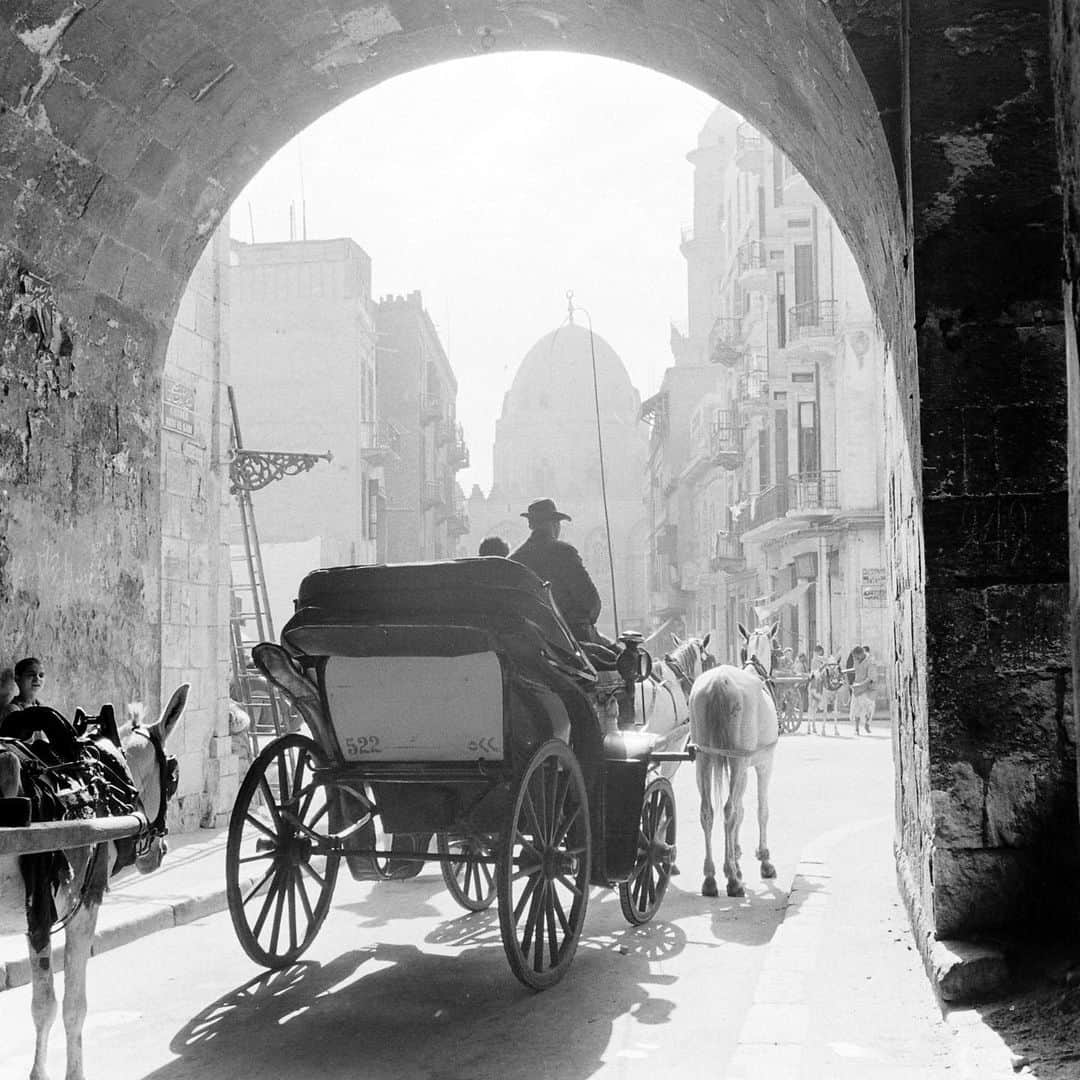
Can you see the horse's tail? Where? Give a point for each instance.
(715, 705)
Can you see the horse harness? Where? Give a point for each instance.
(78, 771)
(685, 681)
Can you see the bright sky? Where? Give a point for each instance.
(493, 186)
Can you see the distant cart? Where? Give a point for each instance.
(790, 691)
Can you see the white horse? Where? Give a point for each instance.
(81, 894)
(825, 687)
(666, 693)
(734, 727)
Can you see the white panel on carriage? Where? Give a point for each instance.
(417, 708)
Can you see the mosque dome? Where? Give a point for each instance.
(556, 375)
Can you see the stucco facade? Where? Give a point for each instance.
(302, 337)
(424, 509)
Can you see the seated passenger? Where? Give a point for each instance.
(559, 564)
(493, 545)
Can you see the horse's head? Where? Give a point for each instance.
(759, 646)
(155, 774)
(692, 655)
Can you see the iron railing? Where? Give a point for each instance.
(379, 436)
(750, 256)
(725, 437)
(754, 386)
(770, 504)
(747, 138)
(814, 490)
(726, 550)
(817, 318)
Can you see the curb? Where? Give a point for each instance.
(148, 918)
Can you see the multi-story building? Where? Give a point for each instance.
(302, 339)
(425, 508)
(775, 473)
(546, 446)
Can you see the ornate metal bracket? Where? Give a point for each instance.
(251, 470)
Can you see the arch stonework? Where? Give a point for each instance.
(128, 127)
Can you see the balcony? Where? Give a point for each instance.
(749, 147)
(726, 554)
(762, 513)
(433, 496)
(813, 323)
(724, 340)
(814, 494)
(457, 520)
(380, 441)
(431, 408)
(753, 390)
(725, 440)
(457, 455)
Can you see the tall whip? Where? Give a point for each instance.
(600, 447)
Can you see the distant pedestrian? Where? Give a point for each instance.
(493, 545)
(862, 692)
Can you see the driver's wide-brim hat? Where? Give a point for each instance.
(545, 510)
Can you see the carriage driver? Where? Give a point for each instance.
(557, 562)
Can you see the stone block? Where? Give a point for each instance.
(958, 808)
(110, 205)
(967, 973)
(1015, 801)
(152, 168)
(979, 890)
(107, 268)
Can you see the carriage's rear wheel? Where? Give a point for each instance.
(470, 881)
(543, 868)
(641, 895)
(279, 888)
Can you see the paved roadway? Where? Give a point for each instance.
(401, 984)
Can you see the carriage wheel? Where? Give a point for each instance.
(790, 716)
(470, 882)
(543, 869)
(641, 895)
(279, 889)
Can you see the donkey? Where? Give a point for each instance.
(82, 891)
(733, 724)
(825, 687)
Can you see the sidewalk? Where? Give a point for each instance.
(842, 994)
(189, 885)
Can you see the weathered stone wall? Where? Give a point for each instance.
(195, 577)
(987, 231)
(1065, 48)
(78, 490)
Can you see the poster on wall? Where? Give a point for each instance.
(178, 407)
(873, 587)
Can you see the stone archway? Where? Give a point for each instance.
(127, 129)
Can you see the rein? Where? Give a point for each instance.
(753, 664)
(168, 780)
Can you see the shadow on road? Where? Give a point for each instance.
(396, 1011)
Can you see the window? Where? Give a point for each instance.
(809, 460)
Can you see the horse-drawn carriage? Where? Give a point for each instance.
(790, 690)
(450, 700)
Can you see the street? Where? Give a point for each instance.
(401, 984)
